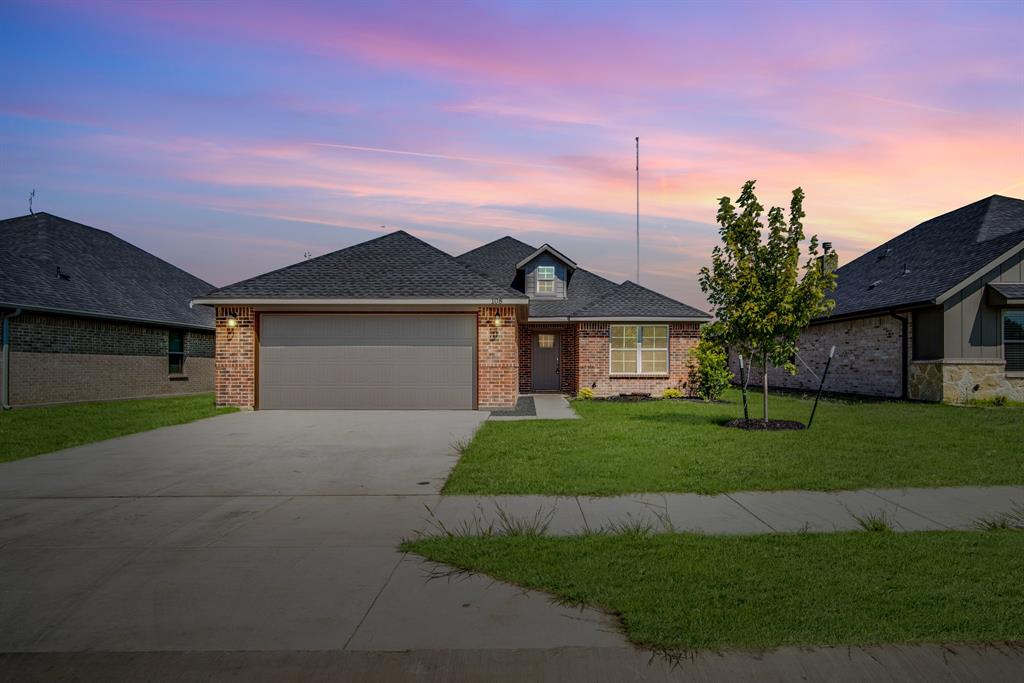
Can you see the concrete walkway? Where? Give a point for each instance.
(548, 407)
(754, 512)
(885, 664)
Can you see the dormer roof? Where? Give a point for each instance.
(551, 250)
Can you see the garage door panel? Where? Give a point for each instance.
(370, 398)
(326, 373)
(339, 361)
(368, 330)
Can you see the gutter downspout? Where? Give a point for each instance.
(905, 369)
(5, 381)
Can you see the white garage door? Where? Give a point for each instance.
(366, 361)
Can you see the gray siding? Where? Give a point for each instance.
(367, 361)
(972, 328)
(928, 333)
(530, 273)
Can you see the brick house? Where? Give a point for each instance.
(934, 314)
(87, 316)
(396, 323)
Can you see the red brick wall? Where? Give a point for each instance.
(594, 369)
(497, 357)
(235, 357)
(568, 366)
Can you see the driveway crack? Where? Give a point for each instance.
(373, 603)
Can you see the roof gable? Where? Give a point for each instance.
(547, 248)
(393, 266)
(924, 263)
(51, 263)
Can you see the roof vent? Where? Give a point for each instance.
(874, 284)
(826, 247)
(906, 270)
(62, 275)
(885, 253)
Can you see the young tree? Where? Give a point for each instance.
(761, 296)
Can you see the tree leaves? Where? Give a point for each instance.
(761, 295)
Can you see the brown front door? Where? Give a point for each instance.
(545, 361)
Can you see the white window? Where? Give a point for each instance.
(639, 350)
(1013, 339)
(545, 279)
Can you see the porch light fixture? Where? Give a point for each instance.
(498, 322)
(232, 322)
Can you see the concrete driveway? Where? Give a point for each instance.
(253, 531)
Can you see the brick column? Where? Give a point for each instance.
(497, 357)
(236, 357)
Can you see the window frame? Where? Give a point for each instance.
(173, 355)
(1017, 343)
(547, 281)
(638, 349)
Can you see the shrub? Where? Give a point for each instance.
(712, 376)
(586, 393)
(672, 393)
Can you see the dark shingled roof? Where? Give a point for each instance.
(394, 266)
(588, 295)
(927, 261)
(102, 274)
(630, 299)
(1011, 290)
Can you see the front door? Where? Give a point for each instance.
(545, 361)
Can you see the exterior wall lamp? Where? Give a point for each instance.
(498, 322)
(232, 322)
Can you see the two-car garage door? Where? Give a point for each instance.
(366, 361)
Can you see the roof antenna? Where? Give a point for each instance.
(31, 196)
(638, 210)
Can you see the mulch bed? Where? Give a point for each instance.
(632, 398)
(525, 407)
(770, 425)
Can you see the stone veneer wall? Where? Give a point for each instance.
(960, 381)
(926, 381)
(568, 366)
(867, 360)
(66, 359)
(236, 357)
(594, 368)
(497, 358)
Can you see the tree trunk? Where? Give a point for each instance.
(744, 377)
(765, 401)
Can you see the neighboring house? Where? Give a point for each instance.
(89, 317)
(396, 323)
(935, 314)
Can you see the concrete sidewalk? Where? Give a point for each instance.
(754, 512)
(889, 663)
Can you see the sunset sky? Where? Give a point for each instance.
(231, 138)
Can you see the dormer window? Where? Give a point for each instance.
(545, 279)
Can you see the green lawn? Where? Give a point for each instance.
(25, 432)
(684, 591)
(662, 446)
